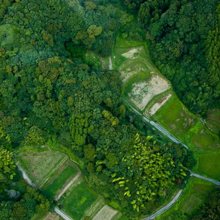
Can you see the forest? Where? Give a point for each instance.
(49, 90)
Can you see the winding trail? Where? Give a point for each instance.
(165, 207)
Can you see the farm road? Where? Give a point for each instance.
(162, 130)
(155, 125)
(165, 207)
(62, 214)
(205, 178)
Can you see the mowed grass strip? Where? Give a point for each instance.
(68, 173)
(209, 164)
(40, 165)
(193, 196)
(78, 201)
(175, 117)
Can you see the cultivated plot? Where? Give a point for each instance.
(41, 165)
(175, 117)
(142, 89)
(77, 200)
(55, 184)
(131, 61)
(213, 120)
(150, 111)
(106, 213)
(209, 164)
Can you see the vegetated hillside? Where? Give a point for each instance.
(47, 90)
(184, 44)
(18, 200)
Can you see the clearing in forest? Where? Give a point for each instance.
(131, 61)
(142, 92)
(41, 165)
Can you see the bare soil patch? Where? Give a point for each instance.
(143, 92)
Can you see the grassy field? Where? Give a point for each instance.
(213, 120)
(193, 196)
(78, 200)
(130, 61)
(209, 164)
(175, 117)
(202, 138)
(41, 165)
(56, 183)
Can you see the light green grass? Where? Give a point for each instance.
(50, 190)
(40, 165)
(125, 42)
(175, 117)
(193, 196)
(205, 139)
(78, 201)
(209, 164)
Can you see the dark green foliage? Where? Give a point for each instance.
(211, 208)
(182, 36)
(48, 90)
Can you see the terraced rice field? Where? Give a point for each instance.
(60, 179)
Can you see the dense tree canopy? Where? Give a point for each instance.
(49, 90)
(183, 36)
